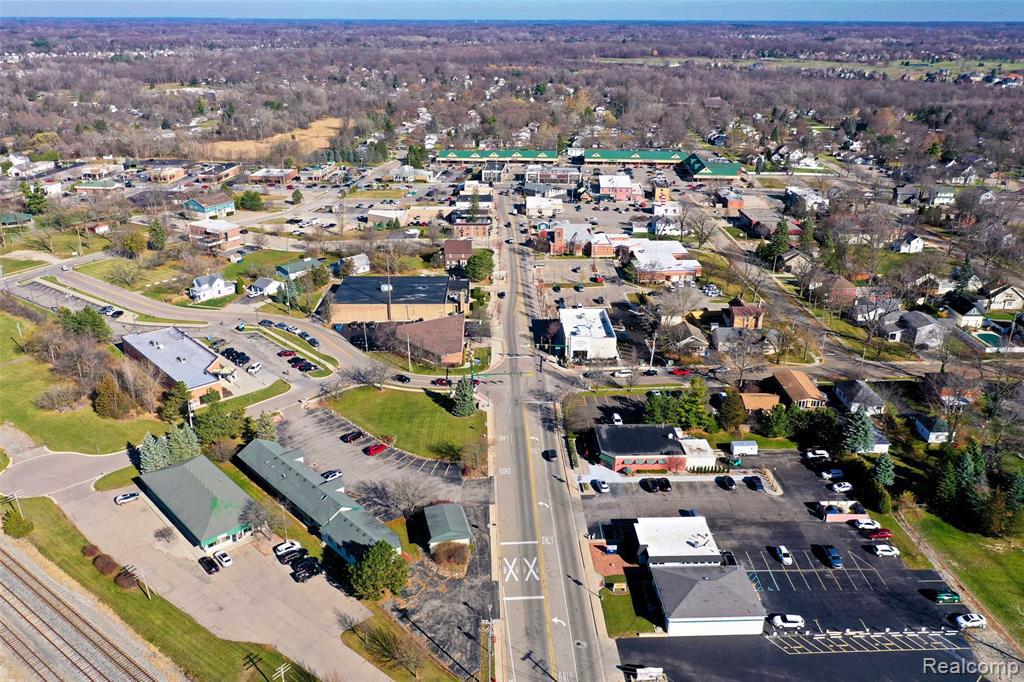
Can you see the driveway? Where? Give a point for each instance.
(61, 475)
(252, 600)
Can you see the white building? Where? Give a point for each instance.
(543, 207)
(359, 264)
(264, 286)
(671, 209)
(209, 287)
(708, 601)
(676, 541)
(805, 199)
(587, 335)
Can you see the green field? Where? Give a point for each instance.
(121, 478)
(62, 244)
(401, 362)
(419, 420)
(148, 277)
(13, 265)
(200, 654)
(243, 401)
(620, 616)
(268, 258)
(992, 569)
(724, 437)
(429, 672)
(81, 430)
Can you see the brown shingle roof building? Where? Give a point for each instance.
(759, 401)
(439, 341)
(457, 252)
(798, 389)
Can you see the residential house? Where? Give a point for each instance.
(966, 312)
(732, 339)
(208, 287)
(297, 268)
(664, 226)
(201, 501)
(641, 447)
(759, 402)
(264, 286)
(950, 389)
(904, 195)
(831, 290)
(216, 205)
(856, 395)
(908, 243)
(793, 261)
(440, 341)
(215, 235)
(688, 339)
(932, 429)
(738, 314)
(758, 222)
(921, 330)
(798, 389)
(457, 252)
(805, 200)
(869, 308)
(446, 523)
(1005, 297)
(941, 196)
(176, 356)
(356, 264)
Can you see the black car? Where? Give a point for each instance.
(229, 353)
(209, 565)
(301, 576)
(281, 325)
(754, 483)
(313, 342)
(649, 484)
(401, 378)
(116, 314)
(650, 372)
(727, 482)
(352, 436)
(296, 360)
(501, 294)
(664, 485)
(306, 563)
(294, 555)
(266, 323)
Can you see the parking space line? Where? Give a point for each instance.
(810, 562)
(846, 573)
(800, 572)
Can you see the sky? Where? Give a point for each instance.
(628, 10)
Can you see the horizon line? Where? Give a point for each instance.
(536, 20)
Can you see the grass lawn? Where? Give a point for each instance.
(1001, 315)
(717, 271)
(398, 526)
(282, 521)
(430, 672)
(122, 478)
(908, 550)
(855, 338)
(5, 460)
(138, 316)
(167, 320)
(400, 361)
(274, 308)
(62, 244)
(990, 568)
(419, 420)
(716, 439)
(13, 265)
(269, 258)
(213, 303)
(200, 654)
(620, 616)
(103, 269)
(80, 430)
(243, 401)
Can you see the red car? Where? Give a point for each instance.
(599, 279)
(681, 372)
(375, 449)
(880, 534)
(286, 354)
(440, 382)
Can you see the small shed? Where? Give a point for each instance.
(447, 523)
(743, 447)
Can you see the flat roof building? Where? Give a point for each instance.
(640, 447)
(383, 299)
(676, 541)
(586, 335)
(178, 357)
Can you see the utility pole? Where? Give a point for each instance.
(408, 351)
(654, 344)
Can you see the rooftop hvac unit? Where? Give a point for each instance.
(386, 287)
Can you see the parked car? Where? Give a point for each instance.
(254, 368)
(727, 482)
(289, 557)
(223, 558)
(664, 485)
(971, 620)
(600, 486)
(125, 498)
(650, 373)
(330, 474)
(616, 419)
(816, 455)
(788, 621)
(866, 524)
(880, 534)
(831, 474)
(885, 550)
(266, 323)
(622, 374)
(783, 555)
(832, 557)
(285, 547)
(375, 449)
(755, 483)
(209, 565)
(401, 378)
(116, 314)
(945, 597)
(286, 354)
(841, 487)
(352, 436)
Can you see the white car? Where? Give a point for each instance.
(65, 268)
(285, 547)
(600, 486)
(783, 555)
(971, 620)
(616, 419)
(622, 374)
(223, 558)
(812, 455)
(829, 474)
(841, 487)
(125, 498)
(331, 475)
(885, 550)
(788, 621)
(866, 524)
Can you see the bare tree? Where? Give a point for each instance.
(702, 227)
(744, 356)
(256, 516)
(373, 374)
(163, 534)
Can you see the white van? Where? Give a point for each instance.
(622, 373)
(616, 419)
(254, 368)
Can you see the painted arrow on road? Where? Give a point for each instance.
(558, 621)
(544, 504)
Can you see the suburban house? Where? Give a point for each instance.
(620, 187)
(215, 235)
(738, 314)
(1005, 297)
(941, 196)
(201, 501)
(217, 205)
(264, 286)
(297, 268)
(759, 402)
(730, 339)
(804, 200)
(908, 243)
(664, 226)
(675, 541)
(342, 523)
(798, 389)
(916, 329)
(208, 287)
(273, 176)
(457, 252)
(869, 308)
(381, 299)
(177, 357)
(356, 264)
(688, 339)
(857, 395)
(707, 601)
(950, 389)
(641, 447)
(586, 335)
(439, 341)
(932, 429)
(832, 290)
(446, 523)
(965, 312)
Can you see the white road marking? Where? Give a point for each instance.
(525, 598)
(510, 568)
(519, 542)
(531, 569)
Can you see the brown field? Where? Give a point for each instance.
(317, 136)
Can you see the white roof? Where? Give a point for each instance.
(676, 536)
(616, 181)
(176, 354)
(590, 323)
(214, 225)
(271, 172)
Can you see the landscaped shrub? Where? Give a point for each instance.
(60, 398)
(221, 450)
(106, 565)
(16, 525)
(90, 551)
(126, 581)
(452, 554)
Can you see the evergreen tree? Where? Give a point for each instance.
(693, 407)
(464, 403)
(176, 402)
(1015, 491)
(883, 500)
(250, 200)
(480, 265)
(416, 156)
(380, 569)
(474, 205)
(216, 422)
(807, 235)
(977, 459)
(858, 432)
(884, 471)
(35, 199)
(157, 236)
(662, 409)
(997, 513)
(777, 423)
(84, 322)
(946, 489)
(297, 197)
(320, 276)
(964, 470)
(733, 413)
(962, 277)
(182, 444)
(109, 400)
(153, 454)
(263, 427)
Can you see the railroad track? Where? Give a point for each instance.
(117, 658)
(26, 654)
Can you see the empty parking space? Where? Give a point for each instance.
(863, 642)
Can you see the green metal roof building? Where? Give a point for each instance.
(342, 522)
(15, 219)
(508, 155)
(699, 169)
(200, 500)
(656, 156)
(447, 523)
